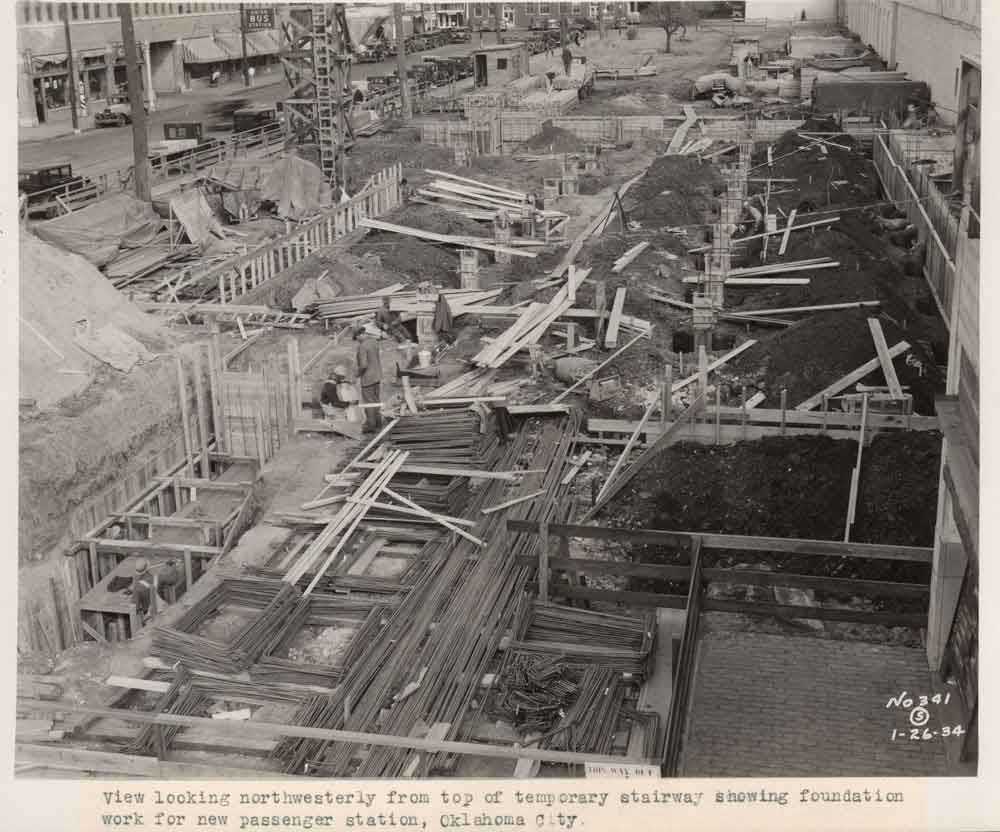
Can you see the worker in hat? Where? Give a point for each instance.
(337, 392)
(370, 377)
(143, 588)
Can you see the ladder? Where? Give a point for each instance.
(326, 125)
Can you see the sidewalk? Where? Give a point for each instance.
(62, 125)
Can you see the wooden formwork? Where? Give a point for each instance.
(477, 137)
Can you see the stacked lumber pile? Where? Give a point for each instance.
(471, 194)
(483, 244)
(623, 73)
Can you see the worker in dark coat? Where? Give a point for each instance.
(370, 377)
(389, 322)
(567, 59)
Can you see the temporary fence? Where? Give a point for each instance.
(926, 208)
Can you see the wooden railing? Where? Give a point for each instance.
(262, 140)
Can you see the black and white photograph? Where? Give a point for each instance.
(498, 391)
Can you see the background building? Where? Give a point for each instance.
(180, 43)
(925, 38)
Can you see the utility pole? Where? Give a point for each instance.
(498, 15)
(404, 90)
(71, 78)
(243, 41)
(563, 28)
(140, 143)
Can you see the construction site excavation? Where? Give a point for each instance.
(611, 404)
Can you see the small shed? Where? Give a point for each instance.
(500, 64)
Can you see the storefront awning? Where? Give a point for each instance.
(205, 50)
(258, 43)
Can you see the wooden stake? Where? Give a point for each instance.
(856, 474)
(784, 409)
(185, 416)
(199, 392)
(702, 371)
(718, 415)
(666, 393)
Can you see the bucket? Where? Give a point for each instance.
(424, 358)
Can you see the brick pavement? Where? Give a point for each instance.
(782, 706)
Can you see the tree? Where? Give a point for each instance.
(673, 18)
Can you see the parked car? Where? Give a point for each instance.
(111, 118)
(40, 184)
(257, 115)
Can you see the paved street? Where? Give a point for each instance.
(98, 150)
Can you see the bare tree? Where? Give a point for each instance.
(673, 18)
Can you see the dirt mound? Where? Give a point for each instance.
(791, 487)
(379, 152)
(676, 190)
(346, 271)
(808, 357)
(439, 221)
(836, 177)
(412, 260)
(556, 140)
(59, 291)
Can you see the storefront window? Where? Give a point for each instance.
(55, 91)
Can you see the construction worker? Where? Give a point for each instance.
(369, 377)
(333, 396)
(142, 588)
(389, 322)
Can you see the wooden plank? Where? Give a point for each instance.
(788, 230)
(856, 473)
(661, 442)
(747, 543)
(454, 471)
(622, 262)
(277, 730)
(845, 586)
(627, 450)
(788, 310)
(852, 377)
(792, 417)
(106, 762)
(614, 322)
(714, 365)
(513, 502)
(133, 683)
(437, 518)
(371, 551)
(882, 349)
(887, 619)
(464, 242)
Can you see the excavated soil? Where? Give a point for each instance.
(793, 487)
(554, 140)
(676, 190)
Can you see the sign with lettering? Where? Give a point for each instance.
(620, 770)
(257, 19)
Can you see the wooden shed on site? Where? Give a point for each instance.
(500, 64)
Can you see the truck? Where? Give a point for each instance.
(42, 183)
